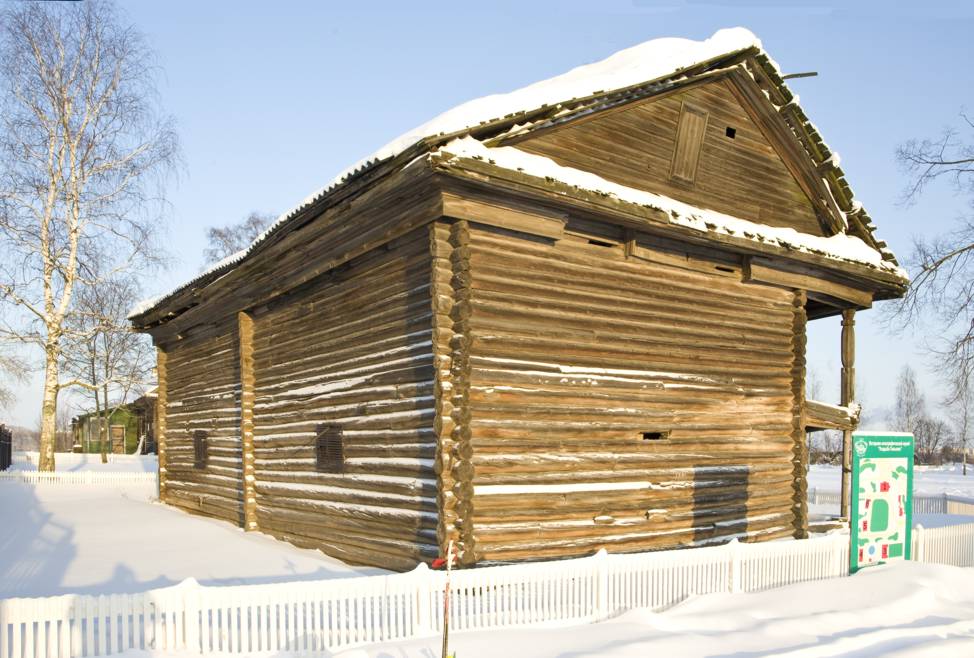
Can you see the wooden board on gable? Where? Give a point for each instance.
(700, 145)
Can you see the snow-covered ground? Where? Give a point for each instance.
(61, 539)
(88, 540)
(903, 610)
(927, 480)
(92, 462)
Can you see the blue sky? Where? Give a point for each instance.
(273, 99)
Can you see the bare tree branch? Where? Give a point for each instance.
(940, 301)
(84, 155)
(225, 241)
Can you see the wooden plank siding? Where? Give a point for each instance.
(635, 145)
(355, 350)
(202, 386)
(575, 351)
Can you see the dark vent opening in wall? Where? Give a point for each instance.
(600, 243)
(731, 132)
(329, 448)
(655, 436)
(724, 268)
(200, 449)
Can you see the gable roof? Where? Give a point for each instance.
(636, 72)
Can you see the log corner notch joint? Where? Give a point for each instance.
(534, 335)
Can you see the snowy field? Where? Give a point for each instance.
(92, 462)
(91, 540)
(927, 480)
(907, 610)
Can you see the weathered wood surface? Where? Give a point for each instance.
(574, 352)
(524, 192)
(391, 206)
(355, 350)
(203, 393)
(162, 395)
(743, 176)
(824, 416)
(760, 270)
(847, 397)
(798, 434)
(443, 298)
(245, 331)
(519, 366)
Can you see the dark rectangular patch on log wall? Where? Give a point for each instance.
(199, 449)
(329, 448)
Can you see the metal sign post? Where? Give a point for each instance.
(881, 510)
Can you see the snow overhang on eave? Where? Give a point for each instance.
(524, 172)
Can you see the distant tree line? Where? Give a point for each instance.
(941, 435)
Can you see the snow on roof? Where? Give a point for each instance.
(840, 247)
(641, 63)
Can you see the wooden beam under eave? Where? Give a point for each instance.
(531, 221)
(821, 289)
(821, 416)
(524, 188)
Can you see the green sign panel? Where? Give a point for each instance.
(882, 498)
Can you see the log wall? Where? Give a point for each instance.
(354, 349)
(619, 401)
(202, 392)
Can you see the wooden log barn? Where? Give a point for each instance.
(547, 322)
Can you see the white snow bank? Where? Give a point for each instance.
(904, 610)
(641, 63)
(89, 540)
(898, 610)
(839, 247)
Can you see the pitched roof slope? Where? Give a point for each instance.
(643, 69)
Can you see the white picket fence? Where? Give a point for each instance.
(117, 480)
(137, 482)
(61, 459)
(922, 504)
(330, 615)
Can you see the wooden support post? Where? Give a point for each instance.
(245, 325)
(799, 436)
(848, 396)
(160, 412)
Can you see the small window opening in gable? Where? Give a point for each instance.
(329, 449)
(600, 243)
(201, 449)
(690, 131)
(730, 132)
(655, 436)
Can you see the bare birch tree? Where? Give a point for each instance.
(103, 351)
(940, 300)
(960, 409)
(224, 241)
(910, 407)
(83, 154)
